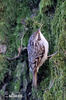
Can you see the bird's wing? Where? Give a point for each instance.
(35, 53)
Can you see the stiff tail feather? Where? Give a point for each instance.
(35, 79)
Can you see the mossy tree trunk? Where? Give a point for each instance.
(18, 18)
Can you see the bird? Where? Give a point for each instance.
(37, 49)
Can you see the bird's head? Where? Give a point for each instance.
(38, 34)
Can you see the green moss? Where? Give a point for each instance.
(3, 67)
(14, 85)
(2, 35)
(58, 22)
(57, 63)
(44, 5)
(48, 96)
(2, 93)
(62, 44)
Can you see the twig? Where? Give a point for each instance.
(41, 26)
(52, 55)
(19, 53)
(4, 87)
(38, 24)
(50, 86)
(10, 59)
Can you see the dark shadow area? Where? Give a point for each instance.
(44, 72)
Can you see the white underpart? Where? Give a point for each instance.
(46, 45)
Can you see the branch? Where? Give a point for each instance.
(10, 59)
(20, 49)
(52, 55)
(50, 86)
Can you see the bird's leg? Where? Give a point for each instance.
(35, 78)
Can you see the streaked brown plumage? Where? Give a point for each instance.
(37, 53)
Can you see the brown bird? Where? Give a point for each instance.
(37, 53)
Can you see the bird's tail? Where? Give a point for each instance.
(35, 79)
